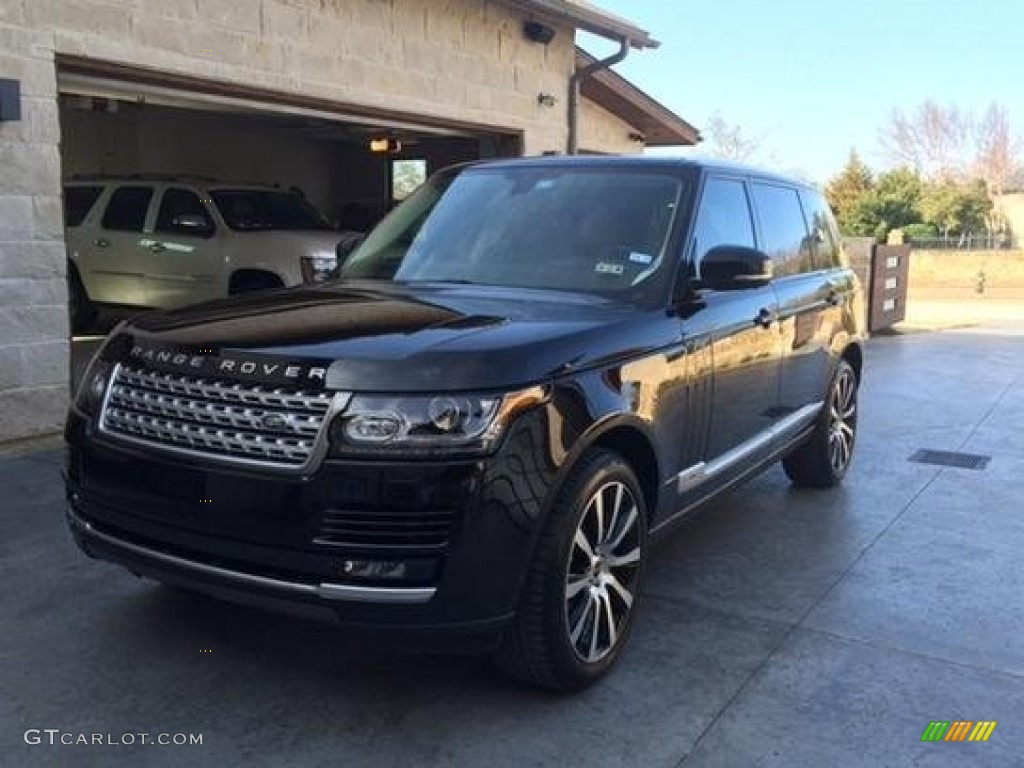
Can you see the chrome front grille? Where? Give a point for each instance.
(231, 422)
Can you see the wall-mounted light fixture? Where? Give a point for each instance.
(10, 100)
(538, 33)
(385, 145)
(545, 99)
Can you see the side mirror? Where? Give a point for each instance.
(734, 267)
(190, 222)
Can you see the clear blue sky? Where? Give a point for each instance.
(810, 78)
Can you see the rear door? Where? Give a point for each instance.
(837, 287)
(801, 288)
(185, 260)
(114, 268)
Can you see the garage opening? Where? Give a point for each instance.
(179, 190)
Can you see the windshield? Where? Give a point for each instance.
(602, 230)
(259, 209)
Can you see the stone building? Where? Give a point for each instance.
(288, 91)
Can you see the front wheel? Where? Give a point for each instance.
(822, 461)
(582, 588)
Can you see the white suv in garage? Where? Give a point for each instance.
(163, 242)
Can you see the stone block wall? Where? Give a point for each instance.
(464, 60)
(33, 290)
(601, 131)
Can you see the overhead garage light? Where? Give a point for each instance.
(385, 145)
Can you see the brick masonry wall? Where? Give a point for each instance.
(464, 60)
(957, 275)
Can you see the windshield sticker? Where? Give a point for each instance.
(640, 258)
(604, 268)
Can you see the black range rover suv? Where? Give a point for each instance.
(527, 371)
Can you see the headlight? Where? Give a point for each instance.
(432, 424)
(316, 269)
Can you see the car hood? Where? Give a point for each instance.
(308, 241)
(377, 336)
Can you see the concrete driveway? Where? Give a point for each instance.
(781, 627)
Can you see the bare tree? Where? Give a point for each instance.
(728, 141)
(998, 149)
(934, 140)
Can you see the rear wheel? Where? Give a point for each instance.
(582, 589)
(822, 461)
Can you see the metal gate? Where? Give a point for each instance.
(890, 272)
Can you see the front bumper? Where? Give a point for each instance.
(463, 531)
(155, 561)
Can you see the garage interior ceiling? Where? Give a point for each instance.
(327, 124)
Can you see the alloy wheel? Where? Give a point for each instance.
(842, 419)
(603, 571)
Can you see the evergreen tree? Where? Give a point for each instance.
(846, 192)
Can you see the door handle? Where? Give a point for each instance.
(102, 243)
(765, 317)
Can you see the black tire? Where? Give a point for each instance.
(823, 459)
(253, 281)
(81, 310)
(539, 648)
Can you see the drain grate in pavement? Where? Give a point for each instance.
(952, 459)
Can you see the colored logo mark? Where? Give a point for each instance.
(959, 730)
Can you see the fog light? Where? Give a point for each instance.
(375, 569)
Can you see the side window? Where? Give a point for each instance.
(78, 201)
(824, 232)
(183, 213)
(127, 208)
(723, 218)
(783, 230)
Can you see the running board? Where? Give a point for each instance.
(698, 474)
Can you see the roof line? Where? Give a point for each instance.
(582, 15)
(613, 92)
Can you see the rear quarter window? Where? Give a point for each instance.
(823, 228)
(78, 201)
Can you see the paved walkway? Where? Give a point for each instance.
(781, 628)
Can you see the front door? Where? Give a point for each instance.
(185, 265)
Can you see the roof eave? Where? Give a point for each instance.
(660, 126)
(589, 19)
